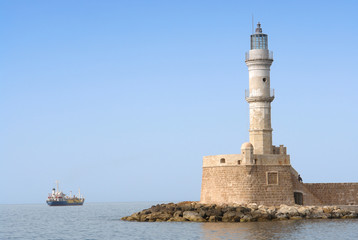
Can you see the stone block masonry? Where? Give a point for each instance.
(335, 193)
(270, 185)
(261, 184)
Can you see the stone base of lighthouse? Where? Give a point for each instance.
(267, 179)
(266, 185)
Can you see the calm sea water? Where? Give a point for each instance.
(102, 221)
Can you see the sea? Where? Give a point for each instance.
(102, 221)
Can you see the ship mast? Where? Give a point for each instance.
(57, 189)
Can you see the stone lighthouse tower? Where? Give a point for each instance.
(261, 173)
(259, 95)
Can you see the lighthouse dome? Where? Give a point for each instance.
(247, 145)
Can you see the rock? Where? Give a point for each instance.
(155, 216)
(327, 209)
(170, 210)
(214, 212)
(164, 216)
(228, 209)
(257, 213)
(155, 208)
(133, 217)
(178, 214)
(243, 209)
(337, 213)
(316, 213)
(288, 210)
(262, 215)
(231, 216)
(303, 211)
(350, 214)
(198, 205)
(177, 219)
(247, 218)
(281, 216)
(271, 210)
(193, 216)
(146, 211)
(213, 219)
(194, 211)
(202, 213)
(143, 218)
(353, 214)
(253, 206)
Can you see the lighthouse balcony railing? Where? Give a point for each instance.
(255, 94)
(256, 56)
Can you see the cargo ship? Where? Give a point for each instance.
(58, 198)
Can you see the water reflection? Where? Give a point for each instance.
(299, 229)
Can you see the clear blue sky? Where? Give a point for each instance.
(123, 98)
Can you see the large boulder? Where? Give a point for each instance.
(316, 213)
(337, 213)
(247, 218)
(214, 212)
(253, 206)
(193, 216)
(231, 216)
(178, 214)
(243, 209)
(303, 211)
(289, 211)
(202, 212)
(213, 219)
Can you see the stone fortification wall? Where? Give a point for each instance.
(261, 184)
(334, 193)
(309, 198)
(268, 179)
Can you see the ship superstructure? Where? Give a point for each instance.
(58, 198)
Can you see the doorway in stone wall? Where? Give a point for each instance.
(298, 198)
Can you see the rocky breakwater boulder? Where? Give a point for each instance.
(196, 212)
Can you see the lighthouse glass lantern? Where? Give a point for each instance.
(259, 40)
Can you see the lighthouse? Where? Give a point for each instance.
(262, 173)
(260, 95)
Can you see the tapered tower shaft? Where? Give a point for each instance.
(259, 96)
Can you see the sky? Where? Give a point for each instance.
(123, 98)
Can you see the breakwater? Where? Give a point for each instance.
(197, 212)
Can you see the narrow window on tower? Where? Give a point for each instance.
(264, 79)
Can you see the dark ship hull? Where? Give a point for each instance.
(65, 203)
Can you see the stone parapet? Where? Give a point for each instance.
(236, 160)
